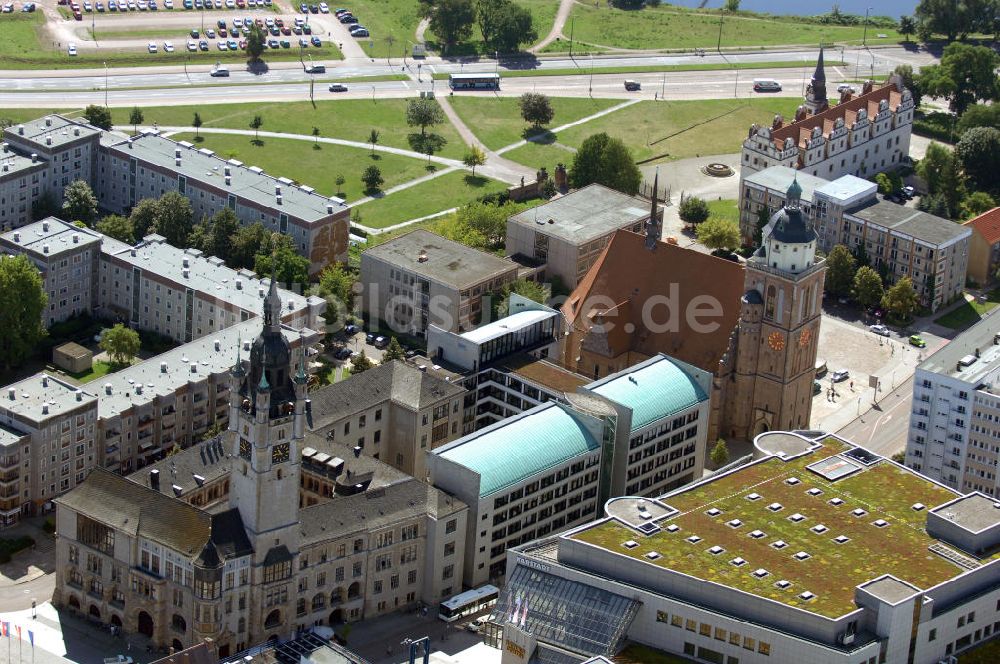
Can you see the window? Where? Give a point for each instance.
(676, 620)
(932, 635)
(690, 625)
(764, 648)
(451, 525)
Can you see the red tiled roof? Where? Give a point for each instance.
(847, 110)
(987, 225)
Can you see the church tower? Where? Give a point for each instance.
(266, 426)
(779, 327)
(816, 101)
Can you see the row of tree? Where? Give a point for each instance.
(504, 25)
(846, 276)
(954, 20)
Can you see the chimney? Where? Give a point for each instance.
(79, 395)
(11, 393)
(45, 248)
(45, 409)
(6, 167)
(107, 388)
(130, 144)
(45, 381)
(48, 122)
(277, 190)
(177, 161)
(239, 284)
(329, 208)
(76, 238)
(229, 181)
(17, 236)
(45, 226)
(218, 345)
(185, 262)
(5, 147)
(277, 199)
(260, 292)
(186, 272)
(177, 153)
(154, 479)
(76, 131)
(194, 367)
(20, 130)
(48, 140)
(138, 388)
(34, 157)
(163, 367)
(226, 171)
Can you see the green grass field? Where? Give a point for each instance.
(317, 168)
(349, 119)
(668, 27)
(22, 47)
(665, 131)
(968, 312)
(988, 653)
(497, 120)
(442, 193)
(725, 208)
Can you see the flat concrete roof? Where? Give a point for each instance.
(920, 225)
(439, 259)
(248, 182)
(9, 436)
(848, 188)
(779, 178)
(50, 237)
(55, 127)
(981, 372)
(508, 324)
(36, 394)
(890, 589)
(585, 214)
(974, 512)
(13, 165)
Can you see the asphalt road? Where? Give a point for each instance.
(884, 428)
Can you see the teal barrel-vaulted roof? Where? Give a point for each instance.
(653, 390)
(519, 447)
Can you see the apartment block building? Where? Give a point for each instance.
(565, 236)
(38, 159)
(67, 258)
(763, 193)
(421, 279)
(954, 434)
(984, 246)
(802, 555)
(642, 431)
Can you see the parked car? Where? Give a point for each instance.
(233, 45)
(285, 43)
(30, 7)
(381, 342)
(316, 41)
(168, 47)
(195, 34)
(909, 192)
(306, 29)
(358, 34)
(370, 336)
(273, 43)
(840, 375)
(151, 47)
(203, 45)
(168, 4)
(817, 387)
(8, 7)
(304, 8)
(352, 329)
(192, 45)
(324, 8)
(879, 329)
(210, 33)
(313, 9)
(296, 30)
(71, 49)
(846, 87)
(918, 341)
(348, 19)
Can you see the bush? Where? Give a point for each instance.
(49, 526)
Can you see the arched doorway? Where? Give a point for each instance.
(273, 619)
(224, 651)
(336, 617)
(177, 645)
(74, 603)
(760, 427)
(145, 624)
(94, 611)
(116, 621)
(178, 623)
(354, 590)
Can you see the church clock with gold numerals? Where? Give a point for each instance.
(279, 453)
(776, 340)
(245, 448)
(805, 336)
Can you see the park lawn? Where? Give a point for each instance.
(99, 369)
(390, 22)
(22, 48)
(335, 119)
(968, 312)
(299, 161)
(17, 115)
(543, 14)
(497, 121)
(541, 155)
(724, 208)
(667, 27)
(441, 193)
(635, 653)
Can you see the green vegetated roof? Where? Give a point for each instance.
(657, 390)
(521, 447)
(884, 491)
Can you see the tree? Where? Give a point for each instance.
(143, 218)
(980, 115)
(524, 287)
(135, 118)
(942, 174)
(196, 123)
(840, 268)
(967, 74)
(900, 301)
(22, 302)
(373, 137)
(720, 453)
(884, 185)
(256, 123)
(120, 343)
(423, 113)
(360, 363)
(944, 17)
(315, 133)
(99, 116)
(340, 183)
(977, 203)
(536, 109)
(452, 21)
(118, 227)
(372, 177)
(474, 157)
(907, 27)
(248, 241)
(693, 210)
(393, 351)
(935, 204)
(336, 285)
(512, 27)
(732, 6)
(911, 82)
(282, 261)
(605, 160)
(214, 235)
(979, 153)
(718, 233)
(867, 287)
(174, 218)
(79, 202)
(255, 42)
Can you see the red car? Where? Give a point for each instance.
(280, 22)
(285, 30)
(77, 15)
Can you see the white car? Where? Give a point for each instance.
(846, 87)
(230, 4)
(840, 376)
(223, 46)
(192, 45)
(151, 47)
(168, 47)
(168, 4)
(142, 5)
(324, 8)
(8, 7)
(87, 7)
(879, 329)
(71, 49)
(269, 22)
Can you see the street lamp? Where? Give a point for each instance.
(722, 15)
(591, 87)
(572, 23)
(105, 85)
(864, 35)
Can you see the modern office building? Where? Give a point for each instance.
(954, 434)
(421, 279)
(566, 235)
(984, 246)
(551, 466)
(817, 551)
(250, 563)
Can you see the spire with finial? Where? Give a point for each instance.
(300, 375)
(793, 196)
(272, 306)
(238, 370)
(263, 385)
(816, 100)
(653, 223)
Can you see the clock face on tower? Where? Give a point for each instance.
(776, 340)
(805, 336)
(279, 453)
(244, 448)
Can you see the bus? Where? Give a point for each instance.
(474, 81)
(469, 602)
